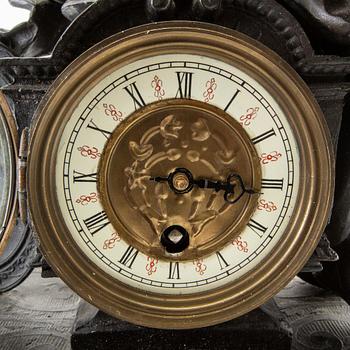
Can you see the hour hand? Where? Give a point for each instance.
(181, 181)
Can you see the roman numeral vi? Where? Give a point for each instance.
(174, 270)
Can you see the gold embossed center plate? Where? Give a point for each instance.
(155, 141)
(101, 134)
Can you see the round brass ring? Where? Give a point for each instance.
(306, 224)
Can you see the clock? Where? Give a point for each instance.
(180, 174)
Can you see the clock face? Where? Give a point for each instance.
(179, 175)
(159, 78)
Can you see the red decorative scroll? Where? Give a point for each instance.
(157, 85)
(267, 206)
(200, 266)
(111, 242)
(91, 152)
(151, 267)
(88, 198)
(241, 245)
(247, 118)
(112, 111)
(211, 86)
(267, 158)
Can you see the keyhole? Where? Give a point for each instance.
(175, 239)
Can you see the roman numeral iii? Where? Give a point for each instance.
(275, 184)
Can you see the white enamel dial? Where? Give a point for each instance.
(114, 98)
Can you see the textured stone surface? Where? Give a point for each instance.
(317, 319)
(39, 314)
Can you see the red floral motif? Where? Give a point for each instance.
(247, 118)
(211, 87)
(266, 158)
(151, 267)
(267, 206)
(86, 199)
(242, 246)
(111, 242)
(91, 152)
(200, 266)
(112, 111)
(157, 84)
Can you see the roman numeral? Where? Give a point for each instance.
(174, 270)
(134, 93)
(184, 79)
(257, 228)
(129, 257)
(276, 184)
(232, 99)
(80, 177)
(222, 262)
(97, 222)
(93, 126)
(263, 136)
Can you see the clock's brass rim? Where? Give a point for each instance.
(11, 215)
(214, 241)
(246, 293)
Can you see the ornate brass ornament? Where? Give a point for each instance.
(179, 299)
(203, 139)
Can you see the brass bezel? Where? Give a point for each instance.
(13, 139)
(233, 299)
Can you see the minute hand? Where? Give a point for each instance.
(215, 185)
(233, 181)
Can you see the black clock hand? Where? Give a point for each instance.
(181, 181)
